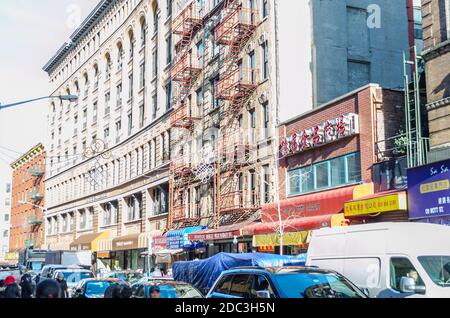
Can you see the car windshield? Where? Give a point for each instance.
(438, 268)
(36, 266)
(97, 288)
(177, 291)
(316, 285)
(74, 277)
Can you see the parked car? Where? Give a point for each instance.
(94, 287)
(73, 277)
(390, 260)
(48, 271)
(130, 277)
(168, 289)
(283, 282)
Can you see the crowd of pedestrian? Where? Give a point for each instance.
(50, 288)
(27, 288)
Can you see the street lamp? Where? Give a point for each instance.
(69, 98)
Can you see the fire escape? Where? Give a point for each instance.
(34, 219)
(185, 70)
(235, 87)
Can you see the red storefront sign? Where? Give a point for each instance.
(159, 242)
(222, 233)
(321, 203)
(329, 131)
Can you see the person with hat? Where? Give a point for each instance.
(155, 292)
(12, 289)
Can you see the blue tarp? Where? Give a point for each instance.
(203, 273)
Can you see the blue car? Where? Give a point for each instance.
(283, 282)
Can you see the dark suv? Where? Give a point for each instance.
(283, 282)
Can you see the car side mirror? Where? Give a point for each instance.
(263, 294)
(408, 285)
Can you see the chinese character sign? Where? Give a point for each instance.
(429, 190)
(331, 130)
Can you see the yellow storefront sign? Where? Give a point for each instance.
(12, 256)
(388, 203)
(437, 186)
(289, 239)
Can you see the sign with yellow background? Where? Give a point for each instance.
(389, 203)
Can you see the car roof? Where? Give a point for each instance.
(279, 269)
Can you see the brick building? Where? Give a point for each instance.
(26, 229)
(327, 161)
(436, 33)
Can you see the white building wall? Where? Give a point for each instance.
(5, 217)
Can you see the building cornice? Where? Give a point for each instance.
(86, 26)
(438, 104)
(436, 51)
(30, 154)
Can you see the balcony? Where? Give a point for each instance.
(36, 196)
(186, 68)
(236, 26)
(186, 22)
(181, 166)
(183, 117)
(37, 172)
(237, 84)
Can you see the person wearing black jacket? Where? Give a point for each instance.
(27, 286)
(62, 285)
(12, 291)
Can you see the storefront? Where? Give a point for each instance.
(296, 233)
(429, 193)
(226, 239)
(12, 257)
(127, 251)
(88, 242)
(380, 207)
(179, 247)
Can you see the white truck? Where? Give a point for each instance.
(80, 258)
(387, 260)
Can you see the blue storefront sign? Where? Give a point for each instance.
(429, 191)
(179, 238)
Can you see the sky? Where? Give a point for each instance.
(30, 34)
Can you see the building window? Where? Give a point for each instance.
(169, 95)
(130, 86)
(118, 128)
(94, 118)
(142, 76)
(324, 175)
(161, 200)
(266, 183)
(106, 132)
(169, 7)
(141, 115)
(134, 207)
(155, 106)
(110, 213)
(169, 48)
(199, 100)
(214, 100)
(107, 105)
(155, 62)
(265, 60)
(130, 123)
(265, 8)
(266, 127)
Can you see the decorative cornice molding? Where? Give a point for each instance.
(31, 154)
(438, 104)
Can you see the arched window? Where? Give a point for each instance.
(77, 87)
(131, 39)
(86, 83)
(119, 55)
(143, 31)
(108, 66)
(96, 75)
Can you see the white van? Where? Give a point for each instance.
(388, 260)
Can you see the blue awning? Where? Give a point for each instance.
(179, 238)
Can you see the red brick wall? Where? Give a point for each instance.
(361, 103)
(22, 181)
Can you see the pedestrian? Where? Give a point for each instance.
(111, 291)
(12, 289)
(2, 288)
(47, 288)
(26, 286)
(155, 292)
(125, 291)
(62, 285)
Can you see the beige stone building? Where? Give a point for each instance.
(107, 169)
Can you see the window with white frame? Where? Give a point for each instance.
(134, 207)
(324, 175)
